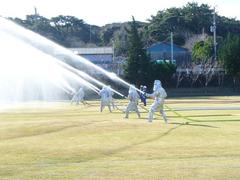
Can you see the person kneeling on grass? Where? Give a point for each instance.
(159, 94)
(133, 101)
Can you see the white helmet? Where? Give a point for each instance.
(104, 88)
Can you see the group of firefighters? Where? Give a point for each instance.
(159, 94)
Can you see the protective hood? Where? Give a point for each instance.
(104, 88)
(157, 85)
(132, 89)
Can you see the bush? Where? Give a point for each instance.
(163, 72)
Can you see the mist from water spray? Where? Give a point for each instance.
(24, 72)
(28, 74)
(83, 74)
(88, 77)
(50, 51)
(52, 48)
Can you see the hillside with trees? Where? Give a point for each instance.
(189, 24)
(184, 22)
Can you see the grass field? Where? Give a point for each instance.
(62, 141)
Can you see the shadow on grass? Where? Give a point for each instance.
(200, 125)
(124, 148)
(112, 152)
(204, 115)
(119, 150)
(231, 120)
(58, 129)
(109, 153)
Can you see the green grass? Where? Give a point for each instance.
(60, 141)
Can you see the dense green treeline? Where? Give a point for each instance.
(190, 19)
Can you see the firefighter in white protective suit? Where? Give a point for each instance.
(111, 96)
(159, 94)
(133, 101)
(78, 97)
(105, 98)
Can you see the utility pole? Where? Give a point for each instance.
(90, 33)
(213, 29)
(113, 46)
(36, 15)
(36, 11)
(171, 47)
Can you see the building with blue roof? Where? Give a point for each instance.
(162, 52)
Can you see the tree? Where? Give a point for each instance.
(202, 50)
(191, 18)
(163, 71)
(138, 62)
(40, 25)
(107, 32)
(196, 17)
(74, 31)
(229, 55)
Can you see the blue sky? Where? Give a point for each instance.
(101, 12)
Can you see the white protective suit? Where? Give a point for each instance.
(159, 94)
(111, 96)
(105, 98)
(78, 96)
(133, 101)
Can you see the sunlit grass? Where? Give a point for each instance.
(62, 141)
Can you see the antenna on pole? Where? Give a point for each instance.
(35, 11)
